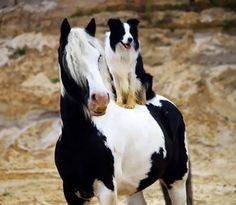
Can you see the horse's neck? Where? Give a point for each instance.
(77, 126)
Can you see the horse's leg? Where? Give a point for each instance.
(177, 192)
(72, 198)
(136, 199)
(105, 196)
(181, 190)
(189, 186)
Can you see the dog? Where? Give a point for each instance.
(125, 63)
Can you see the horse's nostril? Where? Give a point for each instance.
(100, 98)
(93, 97)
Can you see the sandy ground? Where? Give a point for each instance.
(196, 69)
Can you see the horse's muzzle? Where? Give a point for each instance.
(98, 103)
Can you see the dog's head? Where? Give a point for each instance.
(124, 34)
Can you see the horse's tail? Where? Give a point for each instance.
(189, 186)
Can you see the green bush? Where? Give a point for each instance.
(54, 80)
(17, 52)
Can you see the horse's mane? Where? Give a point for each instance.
(84, 41)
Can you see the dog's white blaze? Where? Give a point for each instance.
(139, 141)
(127, 33)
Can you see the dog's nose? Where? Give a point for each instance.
(130, 40)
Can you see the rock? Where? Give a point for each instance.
(40, 85)
(4, 53)
(33, 41)
(182, 49)
(216, 16)
(39, 136)
(39, 6)
(7, 138)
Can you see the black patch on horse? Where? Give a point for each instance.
(157, 169)
(81, 154)
(171, 122)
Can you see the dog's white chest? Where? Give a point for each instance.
(121, 63)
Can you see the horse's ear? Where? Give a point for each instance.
(114, 23)
(91, 27)
(65, 30)
(133, 22)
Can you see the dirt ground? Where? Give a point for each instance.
(191, 54)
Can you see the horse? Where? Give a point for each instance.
(105, 150)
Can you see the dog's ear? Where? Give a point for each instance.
(133, 22)
(65, 30)
(114, 23)
(91, 27)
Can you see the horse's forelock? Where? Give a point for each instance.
(74, 56)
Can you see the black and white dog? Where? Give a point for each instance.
(125, 63)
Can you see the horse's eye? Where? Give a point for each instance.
(99, 58)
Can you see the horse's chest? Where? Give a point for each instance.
(132, 146)
(132, 164)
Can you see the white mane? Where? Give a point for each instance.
(84, 56)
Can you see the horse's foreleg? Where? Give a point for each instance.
(72, 198)
(136, 199)
(105, 196)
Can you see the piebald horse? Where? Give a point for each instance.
(105, 150)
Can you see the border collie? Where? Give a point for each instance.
(125, 63)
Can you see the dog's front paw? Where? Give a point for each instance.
(130, 106)
(119, 102)
(141, 102)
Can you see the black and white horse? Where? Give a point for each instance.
(104, 149)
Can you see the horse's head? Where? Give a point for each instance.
(81, 62)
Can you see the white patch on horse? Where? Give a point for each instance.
(136, 199)
(105, 195)
(157, 100)
(139, 140)
(177, 192)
